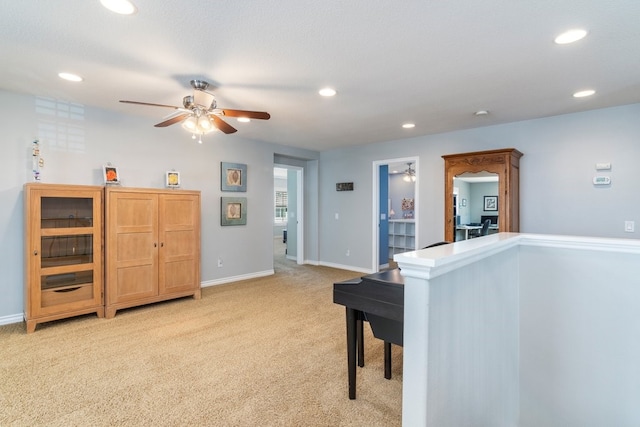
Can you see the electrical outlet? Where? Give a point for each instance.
(629, 226)
(219, 262)
(348, 252)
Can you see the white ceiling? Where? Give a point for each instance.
(433, 62)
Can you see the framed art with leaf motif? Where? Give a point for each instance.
(233, 177)
(233, 211)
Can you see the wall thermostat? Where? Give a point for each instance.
(601, 180)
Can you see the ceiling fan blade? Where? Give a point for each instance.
(172, 120)
(249, 114)
(150, 104)
(222, 125)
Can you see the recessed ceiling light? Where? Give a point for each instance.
(481, 113)
(584, 93)
(244, 119)
(570, 36)
(327, 91)
(123, 7)
(70, 77)
(408, 125)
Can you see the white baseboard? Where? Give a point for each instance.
(13, 318)
(347, 267)
(236, 278)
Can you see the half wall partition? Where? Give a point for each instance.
(522, 330)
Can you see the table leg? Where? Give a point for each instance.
(351, 350)
(360, 337)
(387, 360)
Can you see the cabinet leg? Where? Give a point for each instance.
(197, 294)
(109, 312)
(31, 326)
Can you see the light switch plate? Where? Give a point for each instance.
(601, 180)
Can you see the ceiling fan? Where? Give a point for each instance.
(200, 114)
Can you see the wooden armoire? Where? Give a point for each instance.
(152, 250)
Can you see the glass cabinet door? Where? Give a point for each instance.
(64, 235)
(66, 240)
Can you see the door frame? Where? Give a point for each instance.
(299, 256)
(376, 204)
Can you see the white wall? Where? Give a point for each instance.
(75, 149)
(522, 329)
(556, 192)
(579, 338)
(473, 344)
(461, 334)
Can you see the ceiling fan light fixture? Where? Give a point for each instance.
(122, 7)
(244, 119)
(204, 99)
(409, 174)
(204, 123)
(200, 114)
(190, 124)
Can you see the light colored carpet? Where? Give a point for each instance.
(261, 352)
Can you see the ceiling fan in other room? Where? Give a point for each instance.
(200, 114)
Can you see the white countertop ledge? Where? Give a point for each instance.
(432, 262)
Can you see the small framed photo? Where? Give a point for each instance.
(490, 203)
(111, 175)
(233, 211)
(344, 186)
(172, 179)
(233, 177)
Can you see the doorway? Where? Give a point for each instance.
(395, 209)
(288, 212)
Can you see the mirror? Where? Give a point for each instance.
(474, 201)
(501, 170)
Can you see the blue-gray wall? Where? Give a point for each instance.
(557, 195)
(556, 191)
(75, 148)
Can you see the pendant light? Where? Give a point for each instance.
(409, 174)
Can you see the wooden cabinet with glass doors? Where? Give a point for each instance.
(63, 252)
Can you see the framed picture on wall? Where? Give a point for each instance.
(172, 179)
(490, 203)
(111, 175)
(233, 176)
(233, 211)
